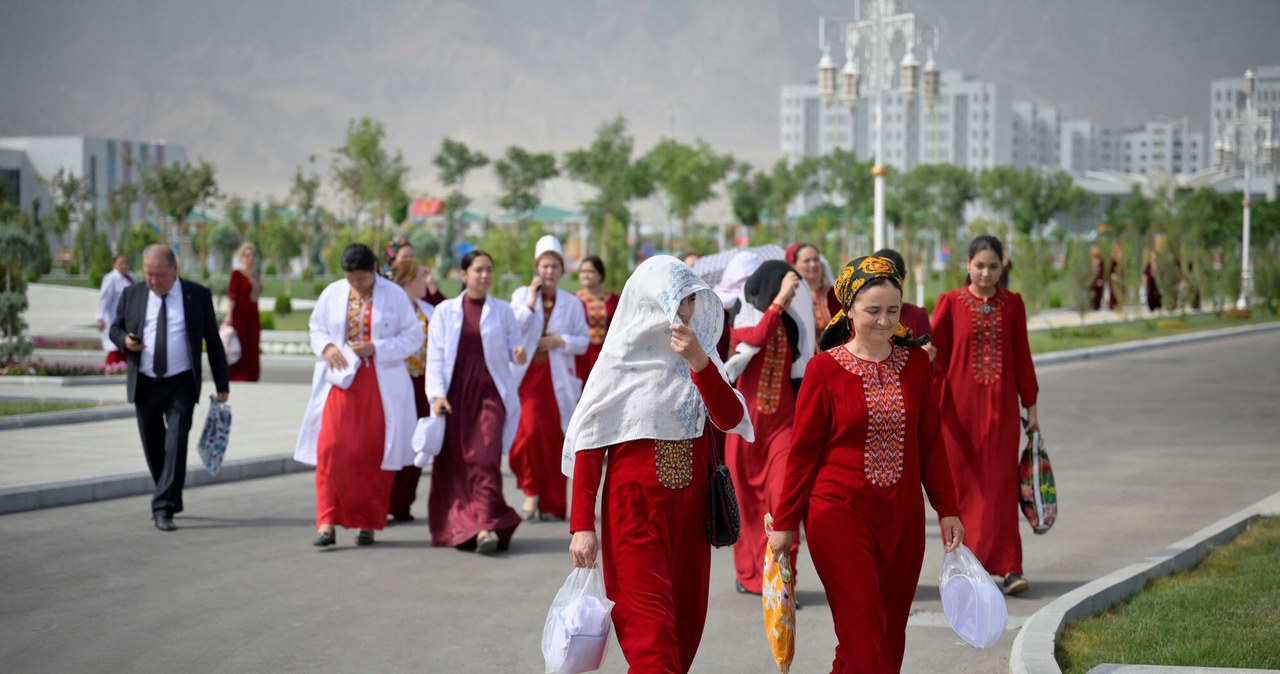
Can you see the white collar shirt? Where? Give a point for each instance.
(179, 355)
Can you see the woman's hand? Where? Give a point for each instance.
(684, 341)
(780, 543)
(430, 278)
(519, 355)
(535, 289)
(583, 548)
(932, 350)
(441, 407)
(333, 357)
(787, 291)
(952, 532)
(362, 348)
(1033, 420)
(550, 341)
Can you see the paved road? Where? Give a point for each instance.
(1148, 448)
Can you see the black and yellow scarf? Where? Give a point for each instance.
(852, 278)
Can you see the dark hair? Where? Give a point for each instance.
(883, 280)
(358, 257)
(896, 258)
(991, 243)
(596, 263)
(465, 263)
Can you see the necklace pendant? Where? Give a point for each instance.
(987, 309)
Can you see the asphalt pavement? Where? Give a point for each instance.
(1147, 447)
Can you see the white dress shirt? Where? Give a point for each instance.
(179, 351)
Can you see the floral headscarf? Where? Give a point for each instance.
(852, 278)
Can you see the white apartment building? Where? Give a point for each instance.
(105, 163)
(1086, 145)
(1162, 147)
(1227, 108)
(1036, 136)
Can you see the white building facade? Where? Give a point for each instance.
(1162, 147)
(1227, 108)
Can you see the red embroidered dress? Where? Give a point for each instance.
(757, 467)
(866, 437)
(982, 371)
(599, 315)
(352, 490)
(535, 454)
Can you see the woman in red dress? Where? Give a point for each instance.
(914, 318)
(815, 271)
(866, 437)
(600, 305)
(242, 313)
(982, 370)
(411, 276)
(646, 409)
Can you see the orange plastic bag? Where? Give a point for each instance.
(779, 605)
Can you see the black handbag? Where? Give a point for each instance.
(723, 520)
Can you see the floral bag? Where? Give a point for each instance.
(1036, 489)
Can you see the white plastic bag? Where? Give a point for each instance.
(230, 344)
(973, 604)
(428, 438)
(575, 637)
(213, 439)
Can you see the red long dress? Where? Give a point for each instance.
(535, 454)
(352, 490)
(982, 368)
(757, 467)
(866, 437)
(466, 477)
(404, 491)
(244, 318)
(599, 314)
(915, 318)
(653, 543)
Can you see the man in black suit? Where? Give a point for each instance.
(160, 323)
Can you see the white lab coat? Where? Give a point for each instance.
(502, 328)
(113, 284)
(569, 320)
(396, 335)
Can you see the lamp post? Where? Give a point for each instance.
(868, 37)
(1243, 133)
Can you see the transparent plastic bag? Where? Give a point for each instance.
(779, 601)
(575, 637)
(230, 344)
(428, 439)
(973, 604)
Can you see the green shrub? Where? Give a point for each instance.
(73, 268)
(266, 320)
(271, 269)
(318, 287)
(284, 304)
(308, 274)
(1055, 301)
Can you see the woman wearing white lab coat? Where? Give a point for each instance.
(549, 387)
(471, 344)
(357, 436)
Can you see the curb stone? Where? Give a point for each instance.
(35, 420)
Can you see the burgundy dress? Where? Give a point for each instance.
(466, 478)
(244, 318)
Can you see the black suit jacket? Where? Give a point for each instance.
(202, 325)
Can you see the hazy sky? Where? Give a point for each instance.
(258, 87)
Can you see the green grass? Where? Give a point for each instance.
(13, 407)
(1224, 613)
(1060, 339)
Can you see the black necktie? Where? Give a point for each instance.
(161, 365)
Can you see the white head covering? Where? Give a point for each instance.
(640, 388)
(548, 243)
(735, 276)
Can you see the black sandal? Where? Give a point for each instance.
(323, 539)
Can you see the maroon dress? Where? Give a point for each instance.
(244, 318)
(466, 478)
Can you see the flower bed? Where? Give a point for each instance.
(67, 344)
(40, 368)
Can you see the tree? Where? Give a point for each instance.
(841, 173)
(72, 200)
(303, 194)
(1080, 274)
(225, 239)
(786, 182)
(687, 175)
(366, 174)
(279, 240)
(521, 174)
(454, 161)
(607, 165)
(18, 250)
(177, 189)
(119, 205)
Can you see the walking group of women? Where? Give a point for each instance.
(846, 401)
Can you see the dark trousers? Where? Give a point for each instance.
(164, 408)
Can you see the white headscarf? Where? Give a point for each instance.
(640, 388)
(735, 276)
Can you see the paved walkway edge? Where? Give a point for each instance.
(1033, 648)
(102, 413)
(71, 492)
(1056, 357)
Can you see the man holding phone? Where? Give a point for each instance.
(160, 323)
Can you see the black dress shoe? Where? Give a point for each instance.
(403, 517)
(164, 522)
(365, 537)
(323, 539)
(742, 590)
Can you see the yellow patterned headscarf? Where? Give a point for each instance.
(853, 277)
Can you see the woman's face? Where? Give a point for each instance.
(479, 276)
(809, 264)
(588, 276)
(685, 311)
(248, 258)
(985, 269)
(361, 281)
(875, 312)
(416, 287)
(549, 270)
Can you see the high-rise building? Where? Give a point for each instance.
(1086, 145)
(1036, 137)
(1227, 108)
(1162, 147)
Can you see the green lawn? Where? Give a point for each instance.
(1224, 613)
(12, 407)
(1059, 339)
